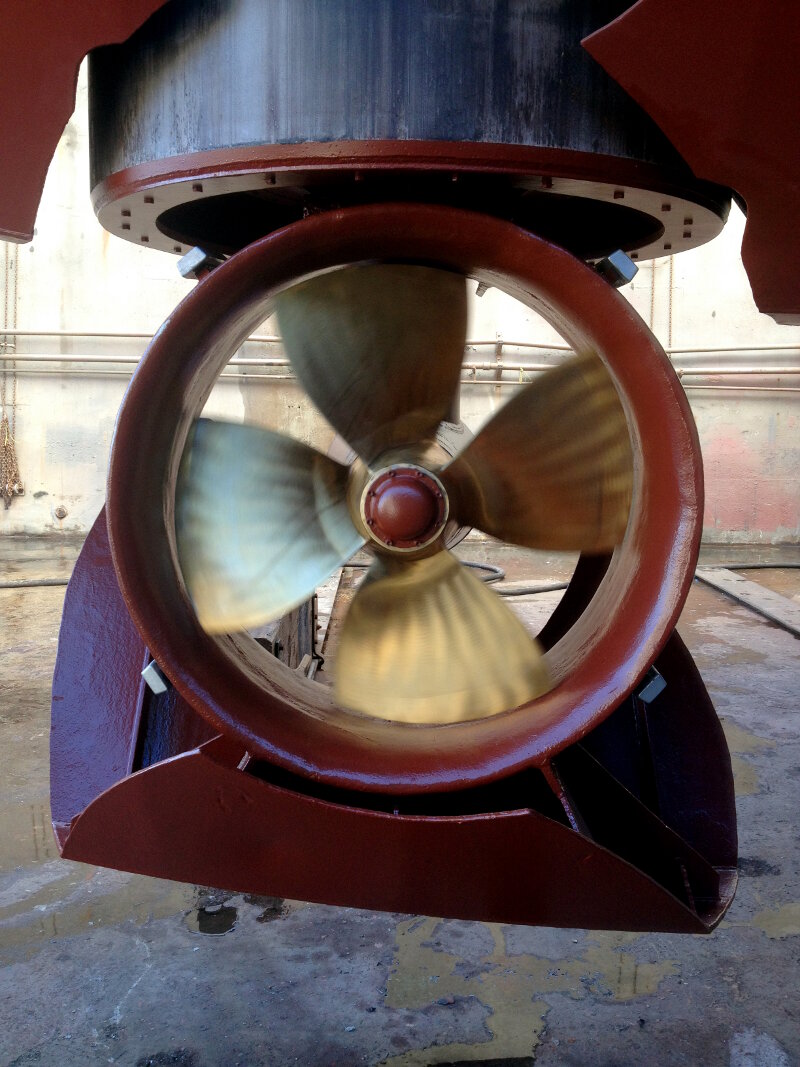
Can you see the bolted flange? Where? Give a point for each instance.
(404, 507)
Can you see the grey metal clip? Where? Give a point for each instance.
(618, 268)
(653, 685)
(155, 678)
(197, 263)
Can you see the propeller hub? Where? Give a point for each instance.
(404, 507)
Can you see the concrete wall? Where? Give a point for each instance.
(92, 290)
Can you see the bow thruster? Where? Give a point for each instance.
(379, 350)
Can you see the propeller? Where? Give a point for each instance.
(262, 520)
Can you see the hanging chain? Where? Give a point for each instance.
(10, 481)
(671, 291)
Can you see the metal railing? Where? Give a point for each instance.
(88, 363)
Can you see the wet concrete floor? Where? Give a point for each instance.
(103, 967)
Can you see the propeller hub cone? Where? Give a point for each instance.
(404, 507)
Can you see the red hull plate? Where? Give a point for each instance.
(721, 80)
(43, 44)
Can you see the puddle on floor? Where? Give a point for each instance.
(62, 899)
(215, 914)
(214, 919)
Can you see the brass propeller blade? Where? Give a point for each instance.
(554, 468)
(261, 520)
(378, 348)
(425, 641)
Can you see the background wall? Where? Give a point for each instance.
(79, 306)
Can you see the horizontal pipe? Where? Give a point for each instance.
(32, 583)
(733, 348)
(130, 361)
(710, 372)
(671, 351)
(228, 376)
(485, 382)
(746, 388)
(502, 343)
(501, 365)
(511, 590)
(260, 338)
(113, 335)
(732, 372)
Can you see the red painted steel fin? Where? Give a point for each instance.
(721, 80)
(43, 44)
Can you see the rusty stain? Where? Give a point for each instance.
(62, 899)
(779, 922)
(510, 987)
(742, 742)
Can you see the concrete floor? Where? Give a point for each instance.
(103, 967)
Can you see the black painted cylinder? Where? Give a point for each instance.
(205, 74)
(225, 76)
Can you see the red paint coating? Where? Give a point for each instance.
(403, 510)
(404, 507)
(250, 833)
(383, 155)
(693, 773)
(94, 673)
(293, 723)
(100, 701)
(43, 43)
(244, 834)
(637, 185)
(721, 80)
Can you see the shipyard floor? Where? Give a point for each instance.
(103, 967)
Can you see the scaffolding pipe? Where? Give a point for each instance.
(503, 343)
(471, 366)
(743, 387)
